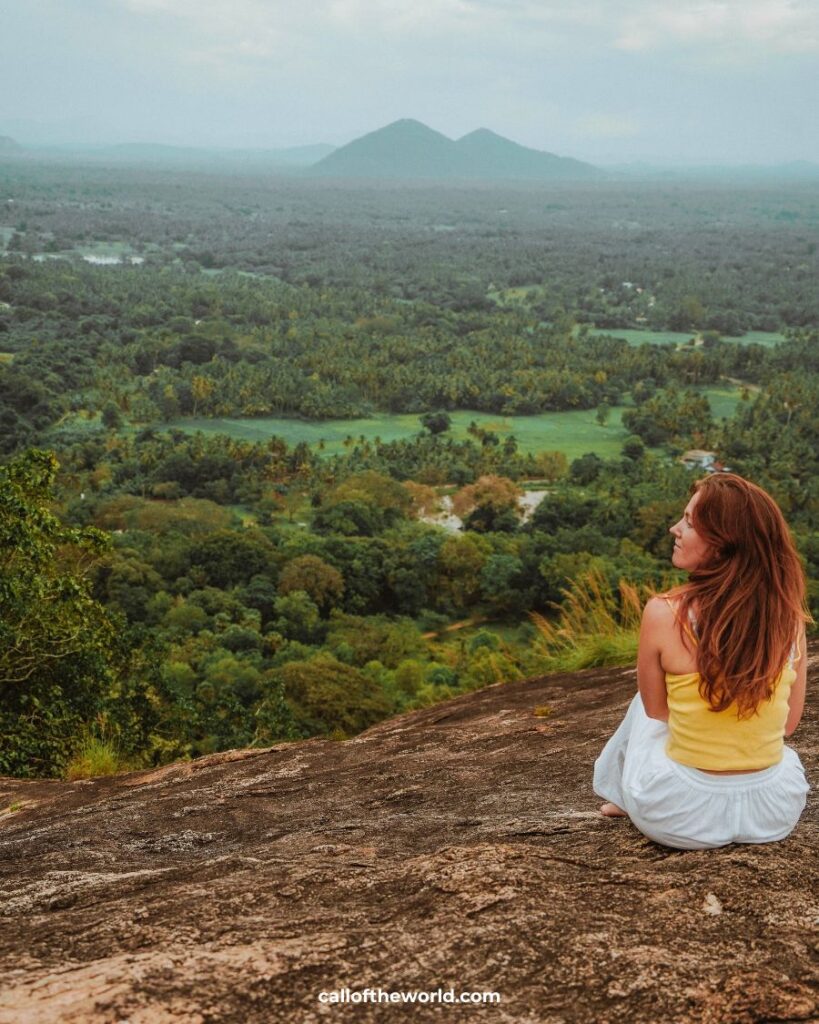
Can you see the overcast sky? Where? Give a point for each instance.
(666, 81)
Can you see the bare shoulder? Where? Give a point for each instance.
(658, 612)
(657, 625)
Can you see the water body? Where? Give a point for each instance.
(108, 261)
(96, 259)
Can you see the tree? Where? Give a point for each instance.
(228, 558)
(111, 416)
(201, 390)
(497, 494)
(349, 518)
(297, 617)
(633, 448)
(374, 489)
(462, 557)
(436, 422)
(425, 501)
(327, 697)
(375, 638)
(552, 465)
(501, 584)
(58, 646)
(320, 581)
(586, 469)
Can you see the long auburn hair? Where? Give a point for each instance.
(750, 593)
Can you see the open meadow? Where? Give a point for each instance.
(573, 432)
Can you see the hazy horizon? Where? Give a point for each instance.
(684, 83)
(77, 149)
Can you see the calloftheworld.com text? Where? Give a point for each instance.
(381, 995)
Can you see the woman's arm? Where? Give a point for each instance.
(796, 699)
(657, 617)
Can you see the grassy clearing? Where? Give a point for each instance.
(521, 294)
(723, 401)
(643, 337)
(574, 433)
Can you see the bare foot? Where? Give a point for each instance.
(613, 811)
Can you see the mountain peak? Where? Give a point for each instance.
(407, 123)
(405, 127)
(481, 134)
(410, 149)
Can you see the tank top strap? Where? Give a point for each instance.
(690, 627)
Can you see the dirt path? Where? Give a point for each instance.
(455, 625)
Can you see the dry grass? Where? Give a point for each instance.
(596, 627)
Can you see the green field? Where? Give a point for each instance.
(767, 338)
(574, 433)
(723, 401)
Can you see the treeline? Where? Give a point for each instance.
(152, 345)
(674, 257)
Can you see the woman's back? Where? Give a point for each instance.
(717, 742)
(716, 692)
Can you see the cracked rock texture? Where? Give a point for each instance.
(458, 847)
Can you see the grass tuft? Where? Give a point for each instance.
(93, 758)
(596, 627)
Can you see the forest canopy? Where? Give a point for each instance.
(169, 591)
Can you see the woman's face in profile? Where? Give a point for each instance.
(690, 550)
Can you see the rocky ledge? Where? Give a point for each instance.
(458, 847)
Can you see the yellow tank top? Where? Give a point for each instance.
(718, 740)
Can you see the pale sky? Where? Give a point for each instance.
(665, 81)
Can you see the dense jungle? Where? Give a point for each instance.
(281, 458)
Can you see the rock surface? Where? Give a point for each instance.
(458, 847)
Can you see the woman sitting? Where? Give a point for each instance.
(699, 760)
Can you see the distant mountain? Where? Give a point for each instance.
(409, 149)
(404, 149)
(8, 147)
(196, 157)
(491, 155)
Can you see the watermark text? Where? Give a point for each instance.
(382, 995)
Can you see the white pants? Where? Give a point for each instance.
(687, 808)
